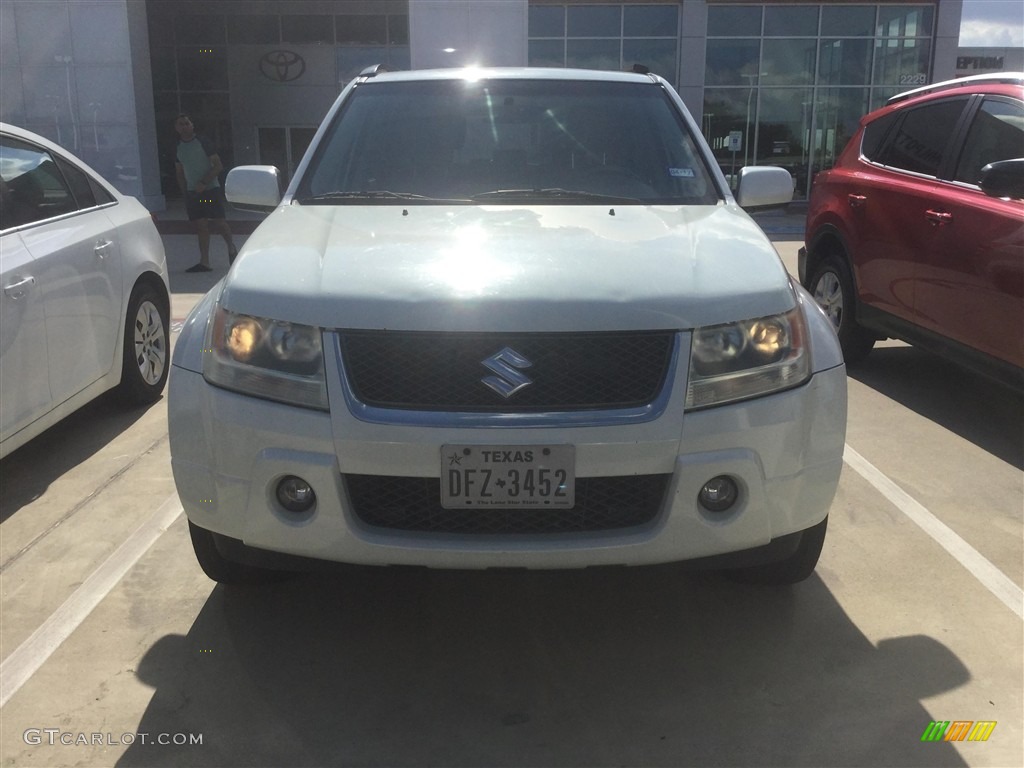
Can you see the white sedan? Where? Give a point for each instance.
(85, 304)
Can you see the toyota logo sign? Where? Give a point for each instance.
(282, 66)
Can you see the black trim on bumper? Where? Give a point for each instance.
(235, 550)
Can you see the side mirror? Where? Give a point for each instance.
(1003, 179)
(253, 187)
(764, 186)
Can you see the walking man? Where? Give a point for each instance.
(197, 167)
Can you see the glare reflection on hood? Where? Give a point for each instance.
(468, 267)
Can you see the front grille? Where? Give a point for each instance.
(414, 504)
(445, 371)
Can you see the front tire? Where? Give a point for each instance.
(146, 360)
(794, 568)
(832, 287)
(222, 570)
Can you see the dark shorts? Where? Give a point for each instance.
(208, 204)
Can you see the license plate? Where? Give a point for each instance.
(521, 476)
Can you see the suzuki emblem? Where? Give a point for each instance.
(508, 379)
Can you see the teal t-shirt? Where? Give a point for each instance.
(194, 157)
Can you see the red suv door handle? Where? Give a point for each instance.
(938, 218)
(856, 201)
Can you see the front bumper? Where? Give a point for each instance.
(229, 451)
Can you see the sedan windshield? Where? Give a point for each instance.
(549, 141)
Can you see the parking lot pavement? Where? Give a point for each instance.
(785, 224)
(122, 653)
(188, 287)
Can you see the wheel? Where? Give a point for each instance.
(794, 568)
(222, 570)
(832, 287)
(146, 358)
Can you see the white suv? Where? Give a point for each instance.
(507, 318)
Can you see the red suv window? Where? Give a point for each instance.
(921, 139)
(997, 133)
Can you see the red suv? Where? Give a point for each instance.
(917, 232)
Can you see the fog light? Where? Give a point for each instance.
(718, 494)
(295, 495)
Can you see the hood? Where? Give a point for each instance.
(508, 268)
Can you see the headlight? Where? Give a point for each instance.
(266, 358)
(737, 361)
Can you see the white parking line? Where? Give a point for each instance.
(17, 668)
(994, 580)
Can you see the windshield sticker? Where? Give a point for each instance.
(682, 173)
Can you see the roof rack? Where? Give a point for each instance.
(375, 69)
(1011, 78)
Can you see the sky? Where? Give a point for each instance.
(993, 23)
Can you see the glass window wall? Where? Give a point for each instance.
(593, 53)
(547, 53)
(199, 30)
(844, 62)
(658, 56)
(732, 61)
(788, 61)
(547, 21)
(794, 80)
(837, 115)
(727, 112)
(902, 61)
(848, 20)
(782, 131)
(791, 21)
(905, 21)
(734, 20)
(254, 29)
(361, 30)
(650, 21)
(398, 30)
(307, 29)
(610, 37)
(594, 21)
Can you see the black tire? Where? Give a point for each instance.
(832, 287)
(147, 349)
(225, 571)
(794, 568)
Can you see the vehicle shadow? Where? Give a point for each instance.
(977, 409)
(603, 667)
(29, 471)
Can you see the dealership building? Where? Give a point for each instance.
(780, 83)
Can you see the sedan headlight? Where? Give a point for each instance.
(737, 361)
(266, 358)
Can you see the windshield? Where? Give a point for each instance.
(556, 141)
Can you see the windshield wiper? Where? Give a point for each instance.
(375, 194)
(555, 192)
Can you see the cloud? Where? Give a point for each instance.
(992, 23)
(990, 34)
